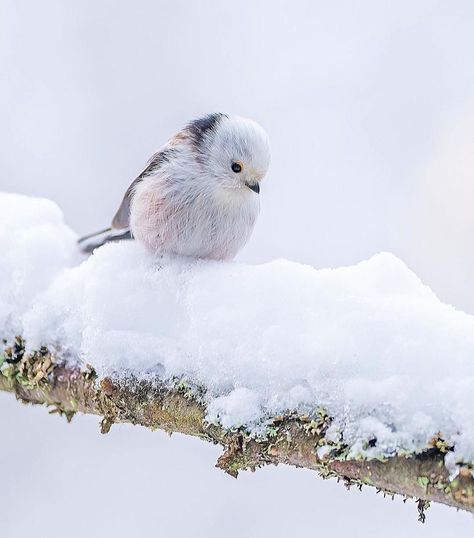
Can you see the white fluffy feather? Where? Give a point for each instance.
(194, 204)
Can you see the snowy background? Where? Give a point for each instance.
(371, 117)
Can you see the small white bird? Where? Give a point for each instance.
(198, 195)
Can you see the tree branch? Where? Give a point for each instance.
(291, 439)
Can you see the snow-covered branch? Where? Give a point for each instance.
(359, 372)
(291, 438)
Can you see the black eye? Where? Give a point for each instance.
(236, 167)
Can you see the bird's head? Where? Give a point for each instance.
(234, 150)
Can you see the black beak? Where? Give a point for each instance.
(255, 187)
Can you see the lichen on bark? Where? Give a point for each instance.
(177, 406)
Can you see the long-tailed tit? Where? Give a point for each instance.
(198, 195)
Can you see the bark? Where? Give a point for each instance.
(178, 406)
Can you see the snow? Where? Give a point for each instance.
(35, 247)
(369, 343)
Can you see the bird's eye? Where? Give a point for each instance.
(236, 167)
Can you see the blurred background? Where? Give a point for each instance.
(370, 110)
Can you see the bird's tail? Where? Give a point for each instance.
(89, 243)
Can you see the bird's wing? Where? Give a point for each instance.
(121, 219)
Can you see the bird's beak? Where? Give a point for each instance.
(255, 187)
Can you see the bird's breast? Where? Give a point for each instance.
(205, 224)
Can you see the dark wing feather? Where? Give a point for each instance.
(121, 219)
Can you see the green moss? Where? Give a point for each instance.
(272, 431)
(186, 388)
(423, 482)
(440, 444)
(318, 425)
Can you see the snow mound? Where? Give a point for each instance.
(370, 343)
(35, 247)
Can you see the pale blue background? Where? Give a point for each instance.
(369, 106)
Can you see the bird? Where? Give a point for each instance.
(198, 195)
